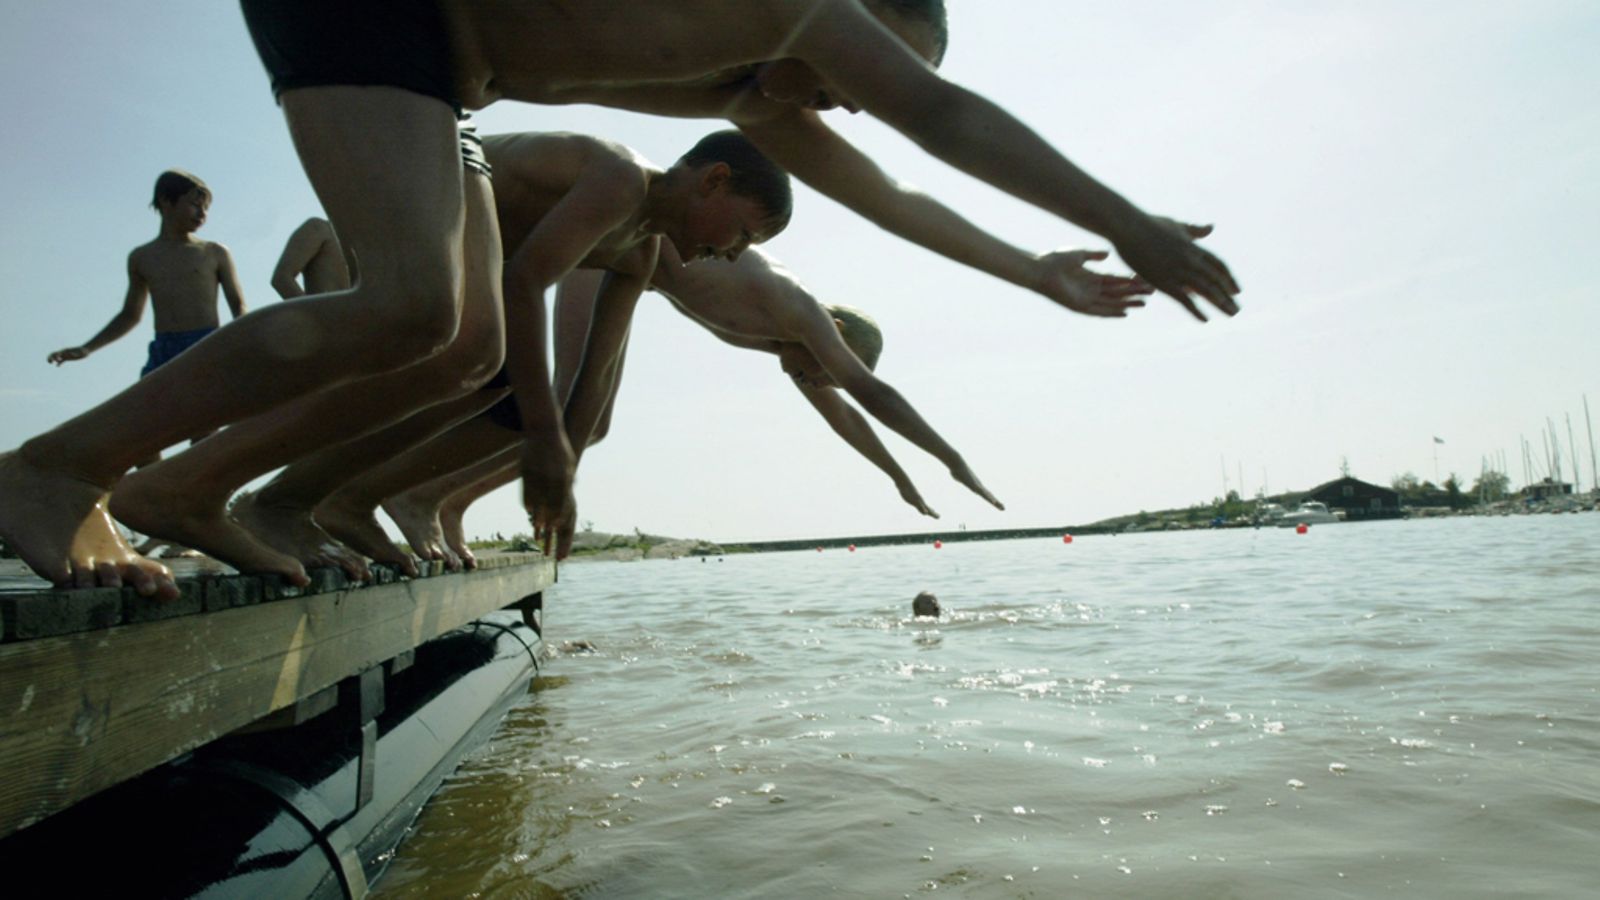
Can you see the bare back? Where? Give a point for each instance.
(182, 278)
(327, 270)
(536, 51)
(752, 300)
(533, 172)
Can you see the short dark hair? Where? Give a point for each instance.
(930, 12)
(752, 174)
(174, 183)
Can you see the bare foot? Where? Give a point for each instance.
(419, 522)
(59, 526)
(357, 525)
(154, 502)
(455, 535)
(291, 530)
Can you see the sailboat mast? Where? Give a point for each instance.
(1573, 446)
(1594, 477)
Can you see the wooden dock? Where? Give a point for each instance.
(98, 685)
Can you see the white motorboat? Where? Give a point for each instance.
(1311, 512)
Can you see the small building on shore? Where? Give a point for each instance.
(1357, 499)
(1546, 490)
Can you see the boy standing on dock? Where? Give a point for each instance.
(177, 273)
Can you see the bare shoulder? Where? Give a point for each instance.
(315, 228)
(140, 256)
(564, 156)
(218, 252)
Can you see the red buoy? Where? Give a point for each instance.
(852, 548)
(938, 544)
(1066, 539)
(1302, 528)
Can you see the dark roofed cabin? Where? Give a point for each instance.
(1358, 500)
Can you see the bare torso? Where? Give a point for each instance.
(182, 277)
(747, 303)
(534, 171)
(549, 51)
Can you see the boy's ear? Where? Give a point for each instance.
(716, 175)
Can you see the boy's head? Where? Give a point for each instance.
(860, 333)
(181, 195)
(922, 24)
(734, 197)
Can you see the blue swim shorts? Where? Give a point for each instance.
(168, 344)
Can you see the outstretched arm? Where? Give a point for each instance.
(880, 400)
(858, 433)
(228, 277)
(802, 143)
(133, 303)
(864, 63)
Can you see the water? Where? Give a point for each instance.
(1399, 708)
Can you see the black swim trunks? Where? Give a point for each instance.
(505, 414)
(472, 155)
(318, 43)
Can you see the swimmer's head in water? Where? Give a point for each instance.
(921, 24)
(861, 335)
(736, 197)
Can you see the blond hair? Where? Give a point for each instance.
(861, 334)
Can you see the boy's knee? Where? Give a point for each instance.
(422, 316)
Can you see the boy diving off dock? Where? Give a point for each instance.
(754, 303)
(371, 89)
(563, 201)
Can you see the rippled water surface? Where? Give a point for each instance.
(1405, 708)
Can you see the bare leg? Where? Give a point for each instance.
(281, 514)
(453, 510)
(358, 501)
(352, 518)
(398, 203)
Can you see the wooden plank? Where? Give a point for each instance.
(82, 712)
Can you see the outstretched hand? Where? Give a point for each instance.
(964, 474)
(1065, 280)
(910, 494)
(67, 354)
(1164, 252)
(548, 466)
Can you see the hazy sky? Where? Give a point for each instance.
(1407, 191)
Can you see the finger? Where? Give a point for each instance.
(1219, 271)
(1215, 293)
(1182, 296)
